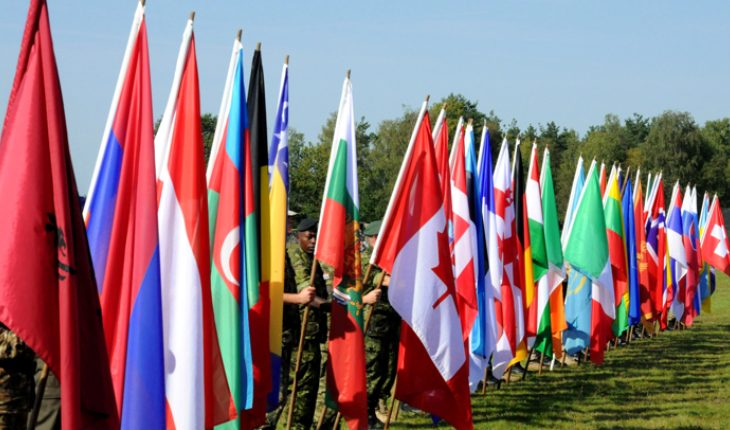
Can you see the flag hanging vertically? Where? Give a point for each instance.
(48, 294)
(554, 324)
(576, 336)
(413, 247)
(484, 333)
(257, 261)
(189, 326)
(441, 153)
(647, 311)
(587, 251)
(617, 252)
(463, 245)
(656, 246)
(690, 238)
(524, 277)
(121, 223)
(338, 245)
(602, 178)
(504, 268)
(714, 243)
(278, 194)
(632, 253)
(225, 205)
(677, 255)
(706, 287)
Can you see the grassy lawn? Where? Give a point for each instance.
(680, 380)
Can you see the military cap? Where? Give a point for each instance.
(372, 229)
(307, 224)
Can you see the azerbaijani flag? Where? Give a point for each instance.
(121, 224)
(225, 208)
(338, 245)
(278, 192)
(617, 252)
(587, 251)
(196, 387)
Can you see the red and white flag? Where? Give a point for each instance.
(413, 247)
(714, 242)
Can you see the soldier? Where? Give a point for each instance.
(381, 339)
(17, 365)
(301, 255)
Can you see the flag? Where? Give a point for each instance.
(617, 252)
(656, 246)
(602, 178)
(463, 246)
(632, 253)
(554, 324)
(525, 277)
(714, 246)
(226, 179)
(706, 288)
(278, 194)
(121, 223)
(504, 268)
(48, 294)
(338, 246)
(189, 327)
(441, 152)
(677, 254)
(576, 337)
(484, 333)
(256, 222)
(587, 251)
(413, 246)
(647, 310)
(690, 238)
(540, 308)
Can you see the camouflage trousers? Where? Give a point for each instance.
(381, 354)
(308, 379)
(16, 394)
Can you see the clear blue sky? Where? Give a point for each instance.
(535, 61)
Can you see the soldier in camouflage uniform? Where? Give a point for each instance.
(381, 339)
(301, 256)
(17, 365)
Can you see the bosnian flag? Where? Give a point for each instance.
(413, 247)
(587, 251)
(195, 381)
(714, 242)
(121, 224)
(225, 205)
(463, 247)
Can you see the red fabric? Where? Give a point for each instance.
(644, 281)
(715, 240)
(601, 331)
(48, 293)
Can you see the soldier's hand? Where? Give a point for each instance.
(372, 297)
(306, 295)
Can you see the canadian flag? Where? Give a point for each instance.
(413, 247)
(714, 242)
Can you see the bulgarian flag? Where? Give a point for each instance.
(587, 251)
(551, 317)
(225, 208)
(338, 245)
(617, 250)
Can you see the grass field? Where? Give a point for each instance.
(678, 380)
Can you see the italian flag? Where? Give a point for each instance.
(338, 246)
(617, 251)
(587, 252)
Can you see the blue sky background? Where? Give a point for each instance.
(566, 61)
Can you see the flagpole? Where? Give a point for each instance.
(390, 409)
(370, 314)
(300, 350)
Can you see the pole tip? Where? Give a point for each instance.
(286, 59)
(470, 121)
(239, 34)
(258, 46)
(192, 16)
(347, 73)
(428, 97)
(142, 2)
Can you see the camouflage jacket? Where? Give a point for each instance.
(384, 321)
(13, 349)
(301, 264)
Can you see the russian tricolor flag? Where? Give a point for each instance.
(121, 223)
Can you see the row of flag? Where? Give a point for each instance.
(166, 303)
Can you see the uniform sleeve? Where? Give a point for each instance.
(300, 267)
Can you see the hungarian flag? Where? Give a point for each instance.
(554, 322)
(617, 252)
(464, 241)
(48, 293)
(226, 179)
(121, 224)
(278, 192)
(690, 238)
(504, 268)
(413, 246)
(257, 253)
(714, 243)
(587, 251)
(338, 245)
(190, 334)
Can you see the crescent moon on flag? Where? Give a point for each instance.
(233, 238)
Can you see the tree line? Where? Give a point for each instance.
(672, 142)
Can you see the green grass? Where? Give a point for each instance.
(678, 380)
